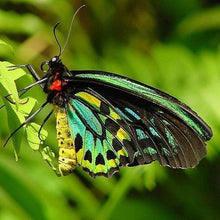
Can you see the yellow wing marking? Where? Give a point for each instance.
(114, 115)
(89, 98)
(122, 134)
(80, 156)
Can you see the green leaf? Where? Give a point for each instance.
(15, 119)
(49, 156)
(7, 79)
(32, 135)
(27, 105)
(7, 45)
(200, 21)
(19, 22)
(17, 112)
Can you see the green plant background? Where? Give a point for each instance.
(171, 45)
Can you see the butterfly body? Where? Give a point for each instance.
(105, 121)
(67, 154)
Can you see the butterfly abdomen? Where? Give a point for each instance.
(67, 153)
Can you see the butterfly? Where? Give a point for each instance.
(105, 121)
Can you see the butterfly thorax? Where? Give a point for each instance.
(56, 83)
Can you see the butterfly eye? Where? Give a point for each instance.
(54, 59)
(44, 66)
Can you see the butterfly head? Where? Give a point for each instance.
(52, 65)
(55, 60)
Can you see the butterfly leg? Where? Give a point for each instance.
(13, 103)
(43, 123)
(24, 90)
(25, 122)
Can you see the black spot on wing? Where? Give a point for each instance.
(88, 156)
(78, 142)
(99, 160)
(111, 155)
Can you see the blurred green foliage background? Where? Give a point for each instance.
(171, 45)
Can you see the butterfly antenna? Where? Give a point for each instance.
(55, 36)
(70, 28)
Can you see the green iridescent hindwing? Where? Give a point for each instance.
(98, 137)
